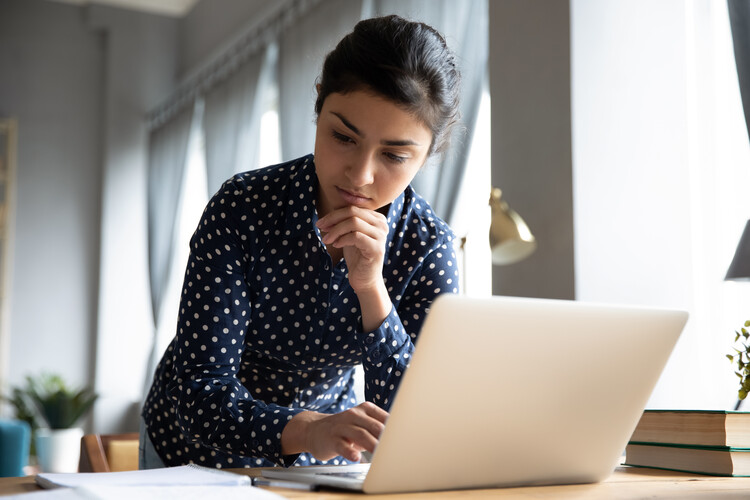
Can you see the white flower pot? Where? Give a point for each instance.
(58, 450)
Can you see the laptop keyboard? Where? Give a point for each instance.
(349, 475)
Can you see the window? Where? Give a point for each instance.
(193, 200)
(472, 219)
(661, 169)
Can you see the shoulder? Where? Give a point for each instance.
(257, 201)
(267, 190)
(270, 179)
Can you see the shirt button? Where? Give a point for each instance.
(369, 340)
(376, 353)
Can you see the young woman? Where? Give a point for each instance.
(301, 271)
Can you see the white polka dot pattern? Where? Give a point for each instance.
(269, 326)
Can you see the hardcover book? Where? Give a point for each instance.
(717, 461)
(694, 427)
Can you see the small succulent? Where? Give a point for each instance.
(742, 360)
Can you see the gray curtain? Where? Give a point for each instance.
(168, 146)
(739, 19)
(231, 120)
(302, 48)
(465, 27)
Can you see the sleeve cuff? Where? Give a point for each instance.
(265, 438)
(385, 341)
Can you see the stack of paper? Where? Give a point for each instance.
(169, 476)
(188, 482)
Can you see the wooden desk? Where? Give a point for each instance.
(625, 483)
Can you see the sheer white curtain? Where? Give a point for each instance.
(231, 119)
(167, 155)
(166, 167)
(302, 48)
(660, 156)
(463, 23)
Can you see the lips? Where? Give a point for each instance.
(352, 198)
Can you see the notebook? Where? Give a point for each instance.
(508, 391)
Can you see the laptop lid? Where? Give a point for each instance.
(510, 391)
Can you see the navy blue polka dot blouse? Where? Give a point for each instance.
(269, 326)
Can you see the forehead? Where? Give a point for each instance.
(374, 113)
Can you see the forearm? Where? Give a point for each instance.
(246, 427)
(375, 305)
(295, 433)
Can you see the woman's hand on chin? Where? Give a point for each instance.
(362, 234)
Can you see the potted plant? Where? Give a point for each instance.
(53, 409)
(742, 356)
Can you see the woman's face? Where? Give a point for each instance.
(367, 150)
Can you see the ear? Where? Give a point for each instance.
(317, 88)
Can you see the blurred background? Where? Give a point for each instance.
(615, 128)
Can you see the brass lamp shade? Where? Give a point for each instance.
(510, 237)
(739, 269)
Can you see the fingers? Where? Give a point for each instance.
(374, 411)
(349, 227)
(352, 220)
(361, 426)
(355, 227)
(371, 418)
(348, 433)
(339, 215)
(358, 439)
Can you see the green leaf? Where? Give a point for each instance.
(53, 404)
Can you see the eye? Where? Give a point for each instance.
(342, 138)
(395, 158)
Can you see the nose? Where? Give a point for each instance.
(361, 171)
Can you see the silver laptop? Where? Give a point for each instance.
(510, 391)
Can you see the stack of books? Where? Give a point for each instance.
(703, 442)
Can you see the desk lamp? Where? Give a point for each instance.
(739, 269)
(510, 237)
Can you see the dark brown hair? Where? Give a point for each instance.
(406, 62)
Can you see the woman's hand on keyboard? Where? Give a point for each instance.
(325, 436)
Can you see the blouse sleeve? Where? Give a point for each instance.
(387, 350)
(212, 404)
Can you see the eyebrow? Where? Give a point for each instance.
(385, 142)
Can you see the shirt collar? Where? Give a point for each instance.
(301, 214)
(397, 211)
